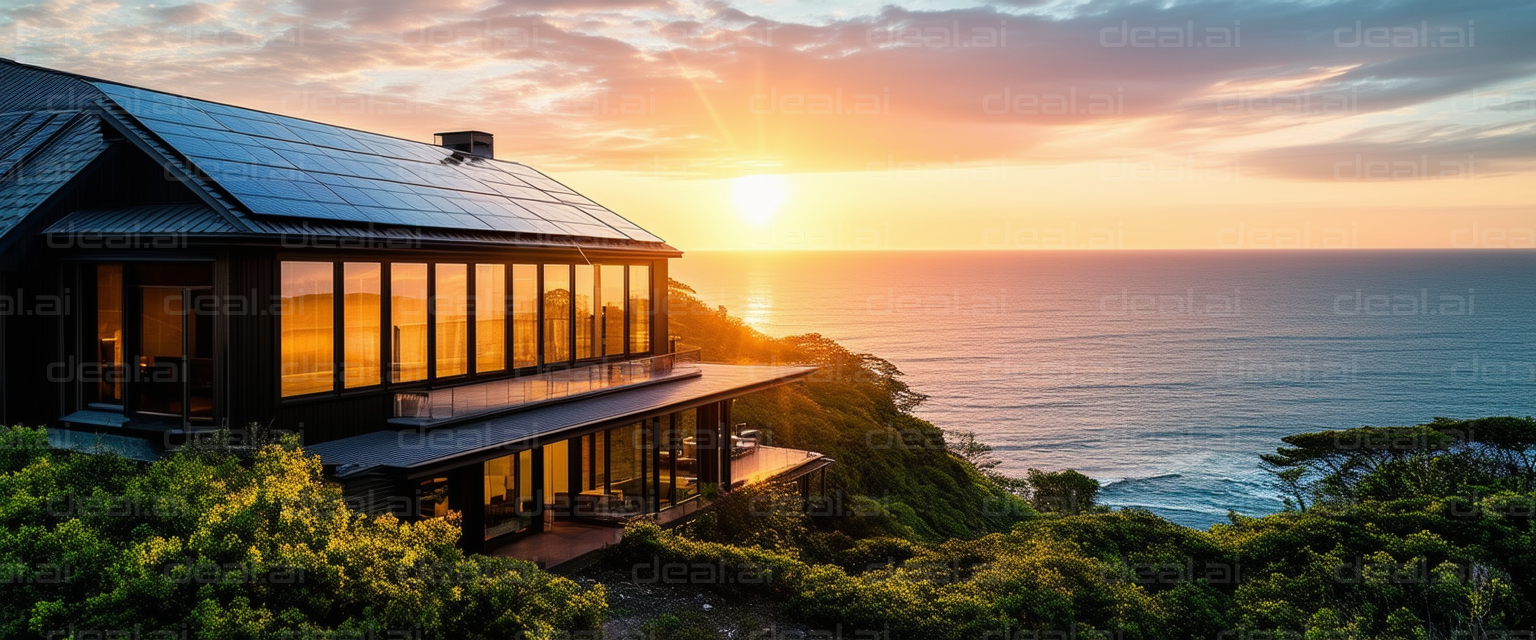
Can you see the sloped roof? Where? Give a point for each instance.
(263, 170)
(143, 219)
(40, 152)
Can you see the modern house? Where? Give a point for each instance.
(447, 331)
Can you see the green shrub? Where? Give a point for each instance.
(226, 546)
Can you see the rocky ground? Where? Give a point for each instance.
(642, 608)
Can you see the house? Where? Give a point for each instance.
(447, 331)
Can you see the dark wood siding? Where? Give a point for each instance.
(251, 383)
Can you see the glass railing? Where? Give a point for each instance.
(482, 397)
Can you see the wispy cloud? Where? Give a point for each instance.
(616, 84)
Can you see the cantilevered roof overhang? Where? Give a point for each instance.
(423, 451)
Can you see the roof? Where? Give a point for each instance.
(40, 152)
(145, 219)
(412, 448)
(263, 172)
(128, 447)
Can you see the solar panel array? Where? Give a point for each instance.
(281, 166)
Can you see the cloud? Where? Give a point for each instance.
(619, 85)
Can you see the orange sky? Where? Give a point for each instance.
(1013, 125)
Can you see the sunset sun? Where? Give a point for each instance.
(759, 197)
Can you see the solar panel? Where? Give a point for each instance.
(281, 166)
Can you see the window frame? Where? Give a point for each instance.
(510, 368)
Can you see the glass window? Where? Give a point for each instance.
(525, 315)
(586, 318)
(557, 313)
(490, 317)
(639, 309)
(432, 496)
(627, 450)
(525, 482)
(307, 326)
(557, 466)
(361, 321)
(685, 447)
(408, 322)
(450, 310)
(611, 299)
(109, 332)
(504, 509)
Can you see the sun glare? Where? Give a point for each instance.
(759, 197)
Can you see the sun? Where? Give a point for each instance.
(759, 197)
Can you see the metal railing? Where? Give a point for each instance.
(470, 399)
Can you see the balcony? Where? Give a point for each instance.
(425, 408)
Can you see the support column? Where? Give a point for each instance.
(727, 446)
(540, 504)
(573, 467)
(467, 488)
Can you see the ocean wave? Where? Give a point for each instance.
(1124, 482)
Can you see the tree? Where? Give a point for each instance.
(1062, 491)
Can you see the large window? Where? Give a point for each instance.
(412, 322)
(361, 323)
(490, 317)
(307, 325)
(639, 309)
(525, 315)
(450, 310)
(408, 322)
(557, 313)
(611, 299)
(584, 295)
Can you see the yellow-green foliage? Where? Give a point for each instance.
(1384, 570)
(219, 546)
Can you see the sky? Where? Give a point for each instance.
(1005, 125)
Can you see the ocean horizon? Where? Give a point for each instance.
(1163, 374)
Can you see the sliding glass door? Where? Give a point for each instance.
(175, 359)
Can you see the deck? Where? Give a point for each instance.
(568, 540)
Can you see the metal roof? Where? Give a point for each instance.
(40, 152)
(266, 173)
(160, 219)
(412, 448)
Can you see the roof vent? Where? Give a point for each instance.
(475, 143)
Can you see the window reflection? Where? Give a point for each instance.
(639, 309)
(362, 320)
(586, 318)
(432, 497)
(490, 317)
(508, 499)
(626, 451)
(557, 313)
(525, 315)
(109, 332)
(307, 325)
(408, 321)
(450, 310)
(611, 299)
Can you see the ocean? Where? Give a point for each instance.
(1162, 374)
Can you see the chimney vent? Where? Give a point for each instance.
(475, 143)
